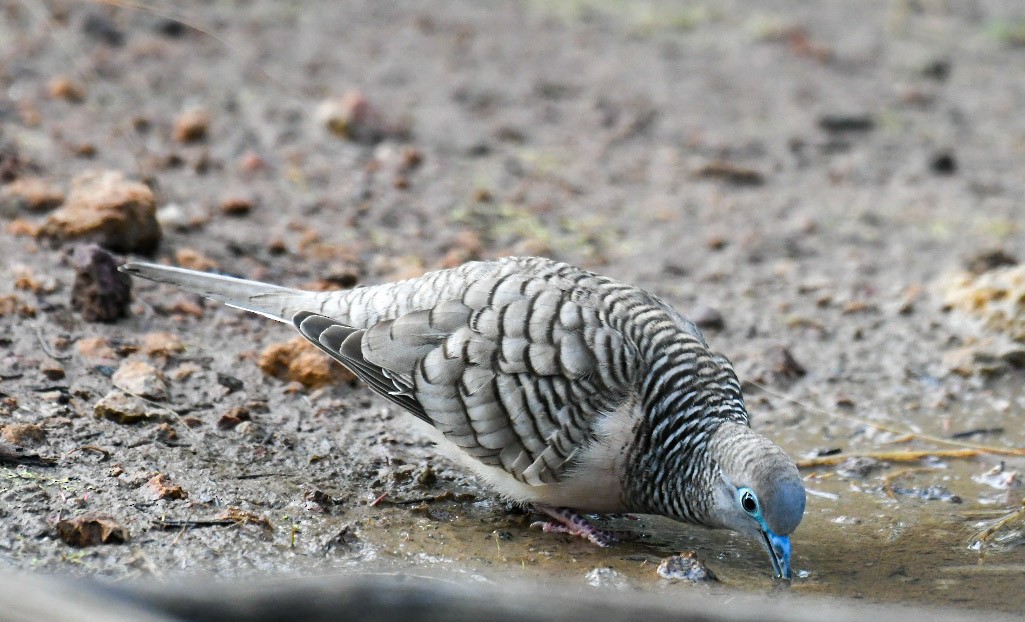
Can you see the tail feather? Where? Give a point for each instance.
(272, 301)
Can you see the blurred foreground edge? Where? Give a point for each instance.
(26, 597)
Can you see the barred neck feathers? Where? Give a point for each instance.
(687, 394)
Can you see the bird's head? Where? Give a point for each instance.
(757, 491)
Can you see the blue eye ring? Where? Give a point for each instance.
(749, 502)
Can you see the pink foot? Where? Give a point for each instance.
(569, 522)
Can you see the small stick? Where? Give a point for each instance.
(890, 456)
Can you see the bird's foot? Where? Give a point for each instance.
(569, 522)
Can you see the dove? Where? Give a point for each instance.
(563, 390)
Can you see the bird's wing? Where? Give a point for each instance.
(515, 372)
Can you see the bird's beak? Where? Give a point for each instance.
(779, 553)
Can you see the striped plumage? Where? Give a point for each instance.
(558, 386)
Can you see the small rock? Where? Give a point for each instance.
(300, 361)
(233, 417)
(12, 163)
(11, 304)
(930, 493)
(26, 279)
(52, 370)
(318, 501)
(707, 318)
(23, 434)
(231, 383)
(166, 433)
(124, 409)
(938, 70)
(989, 259)
(31, 194)
(96, 350)
(606, 577)
(162, 345)
(105, 208)
(61, 87)
(943, 163)
(194, 260)
(846, 122)
(100, 293)
(236, 206)
(159, 487)
(857, 467)
(685, 567)
(102, 28)
(352, 117)
(140, 378)
(90, 530)
(192, 126)
(993, 300)
(782, 363)
(184, 306)
(730, 173)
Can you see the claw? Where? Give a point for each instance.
(569, 522)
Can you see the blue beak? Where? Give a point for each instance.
(779, 553)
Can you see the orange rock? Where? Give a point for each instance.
(160, 487)
(194, 260)
(162, 344)
(91, 529)
(300, 361)
(61, 87)
(32, 194)
(23, 434)
(12, 303)
(106, 208)
(95, 349)
(25, 279)
(183, 306)
(192, 126)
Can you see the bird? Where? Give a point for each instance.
(563, 390)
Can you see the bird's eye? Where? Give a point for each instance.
(748, 501)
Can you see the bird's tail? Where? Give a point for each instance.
(272, 301)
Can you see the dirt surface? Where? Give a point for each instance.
(808, 173)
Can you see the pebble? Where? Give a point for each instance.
(782, 364)
(90, 530)
(62, 87)
(161, 345)
(96, 350)
(354, 118)
(29, 194)
(106, 208)
(52, 370)
(233, 417)
(124, 409)
(606, 577)
(192, 126)
(707, 318)
(160, 487)
(300, 361)
(685, 567)
(194, 260)
(857, 467)
(236, 206)
(23, 434)
(140, 378)
(100, 293)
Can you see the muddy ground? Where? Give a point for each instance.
(809, 172)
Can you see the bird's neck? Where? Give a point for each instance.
(687, 394)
